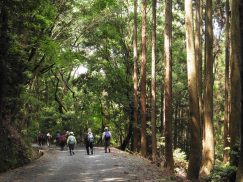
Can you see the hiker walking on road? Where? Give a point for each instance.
(62, 140)
(106, 138)
(48, 139)
(89, 142)
(40, 139)
(71, 142)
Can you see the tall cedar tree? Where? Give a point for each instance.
(143, 81)
(153, 84)
(198, 53)
(226, 101)
(208, 131)
(135, 80)
(239, 176)
(169, 163)
(235, 94)
(195, 142)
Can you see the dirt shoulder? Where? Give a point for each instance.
(58, 166)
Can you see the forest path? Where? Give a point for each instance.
(59, 166)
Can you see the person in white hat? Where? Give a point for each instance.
(71, 142)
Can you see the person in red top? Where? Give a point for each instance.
(62, 140)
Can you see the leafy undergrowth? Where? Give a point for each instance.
(180, 165)
(222, 172)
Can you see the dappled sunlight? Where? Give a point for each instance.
(111, 169)
(56, 165)
(114, 179)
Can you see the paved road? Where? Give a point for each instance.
(58, 166)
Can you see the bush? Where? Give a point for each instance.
(180, 161)
(222, 172)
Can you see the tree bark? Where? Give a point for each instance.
(208, 129)
(162, 111)
(143, 82)
(4, 47)
(169, 162)
(235, 94)
(195, 143)
(153, 84)
(176, 128)
(130, 128)
(239, 175)
(198, 55)
(135, 81)
(226, 105)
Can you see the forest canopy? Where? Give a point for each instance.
(165, 77)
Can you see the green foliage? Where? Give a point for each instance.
(222, 172)
(180, 158)
(48, 40)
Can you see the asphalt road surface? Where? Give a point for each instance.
(59, 166)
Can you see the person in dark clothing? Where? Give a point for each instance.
(62, 140)
(106, 138)
(57, 138)
(89, 142)
(40, 139)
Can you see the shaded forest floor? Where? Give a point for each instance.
(57, 166)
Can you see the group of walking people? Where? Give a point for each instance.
(89, 141)
(44, 138)
(68, 138)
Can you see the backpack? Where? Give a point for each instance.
(107, 135)
(62, 138)
(71, 140)
(90, 137)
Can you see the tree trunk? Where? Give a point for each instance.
(226, 105)
(162, 111)
(130, 128)
(169, 162)
(176, 128)
(208, 138)
(143, 82)
(4, 46)
(153, 85)
(198, 55)
(135, 81)
(235, 95)
(239, 175)
(195, 142)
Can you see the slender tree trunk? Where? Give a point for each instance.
(181, 127)
(235, 95)
(125, 143)
(162, 111)
(169, 162)
(4, 48)
(208, 138)
(135, 81)
(153, 85)
(195, 143)
(198, 55)
(226, 105)
(239, 176)
(143, 82)
(176, 129)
